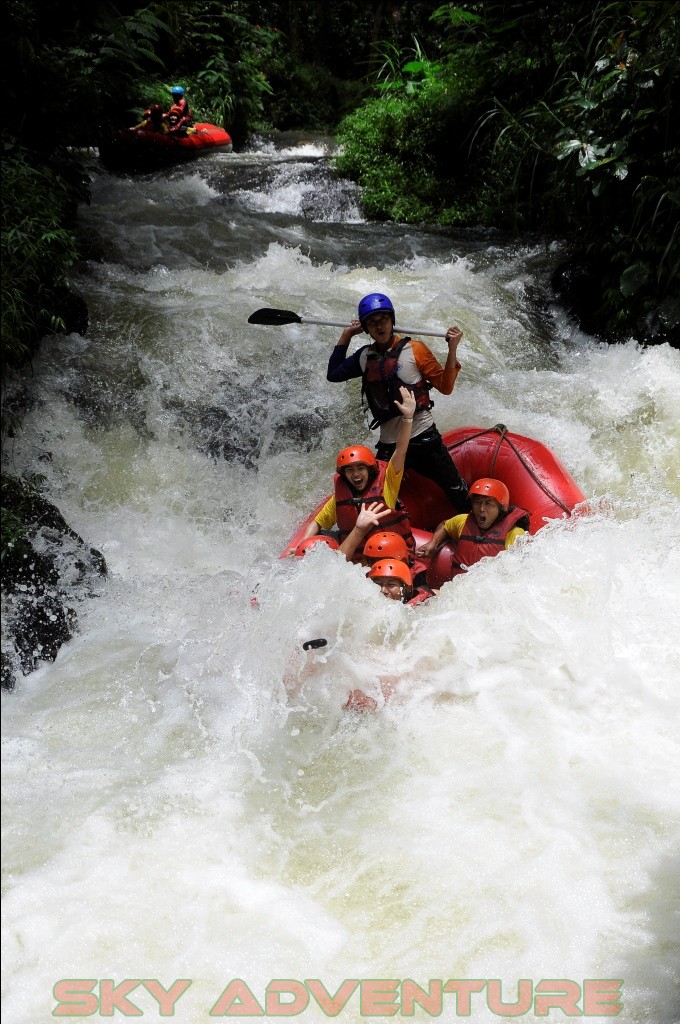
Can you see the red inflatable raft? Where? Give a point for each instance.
(144, 150)
(536, 479)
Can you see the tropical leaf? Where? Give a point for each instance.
(633, 278)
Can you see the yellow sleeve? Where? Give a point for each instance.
(327, 517)
(454, 526)
(391, 486)
(515, 532)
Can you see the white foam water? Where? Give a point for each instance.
(184, 797)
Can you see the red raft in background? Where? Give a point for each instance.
(536, 479)
(127, 150)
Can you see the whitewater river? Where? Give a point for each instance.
(512, 815)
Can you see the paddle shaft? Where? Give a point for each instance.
(398, 330)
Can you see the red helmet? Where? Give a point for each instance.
(386, 545)
(309, 542)
(489, 488)
(391, 568)
(357, 454)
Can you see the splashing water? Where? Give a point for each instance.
(184, 796)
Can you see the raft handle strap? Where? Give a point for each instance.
(502, 432)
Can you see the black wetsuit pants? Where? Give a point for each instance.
(428, 455)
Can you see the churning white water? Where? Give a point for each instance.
(513, 813)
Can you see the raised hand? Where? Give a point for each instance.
(370, 516)
(453, 337)
(349, 332)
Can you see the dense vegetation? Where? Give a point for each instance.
(520, 116)
(562, 118)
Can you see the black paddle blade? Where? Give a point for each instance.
(274, 317)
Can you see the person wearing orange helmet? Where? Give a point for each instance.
(381, 543)
(310, 542)
(386, 544)
(384, 365)
(364, 484)
(492, 526)
(395, 580)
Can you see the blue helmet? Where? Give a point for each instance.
(375, 303)
(177, 90)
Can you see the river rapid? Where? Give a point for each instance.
(169, 811)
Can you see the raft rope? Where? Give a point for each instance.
(502, 432)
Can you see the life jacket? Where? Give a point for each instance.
(179, 117)
(183, 107)
(421, 594)
(348, 504)
(174, 116)
(381, 383)
(473, 545)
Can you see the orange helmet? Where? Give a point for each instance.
(309, 542)
(358, 453)
(391, 568)
(489, 488)
(386, 545)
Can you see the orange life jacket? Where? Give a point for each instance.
(179, 117)
(348, 504)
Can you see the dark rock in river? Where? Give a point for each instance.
(47, 568)
(241, 429)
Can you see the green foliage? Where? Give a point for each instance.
(224, 57)
(252, 75)
(405, 147)
(560, 119)
(306, 97)
(17, 496)
(615, 134)
(609, 156)
(75, 71)
(14, 531)
(37, 252)
(64, 69)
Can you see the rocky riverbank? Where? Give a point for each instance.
(47, 570)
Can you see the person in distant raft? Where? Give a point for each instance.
(492, 526)
(361, 482)
(386, 364)
(152, 121)
(179, 116)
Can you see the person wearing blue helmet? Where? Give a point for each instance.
(388, 363)
(179, 116)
